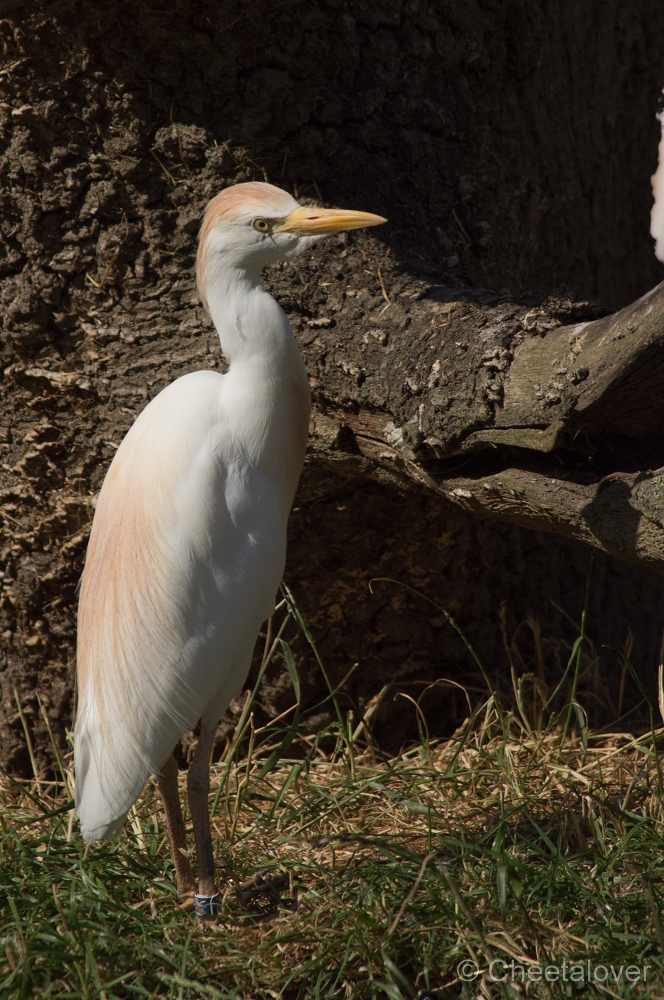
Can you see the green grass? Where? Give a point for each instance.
(346, 874)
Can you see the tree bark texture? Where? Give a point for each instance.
(510, 148)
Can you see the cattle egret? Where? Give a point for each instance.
(188, 541)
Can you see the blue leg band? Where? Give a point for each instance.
(207, 906)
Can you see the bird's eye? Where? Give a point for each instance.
(262, 225)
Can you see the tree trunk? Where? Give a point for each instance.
(510, 146)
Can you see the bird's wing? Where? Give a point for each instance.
(158, 565)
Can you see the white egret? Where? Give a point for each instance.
(188, 541)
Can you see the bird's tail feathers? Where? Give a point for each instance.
(117, 746)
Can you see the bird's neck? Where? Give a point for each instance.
(251, 326)
(266, 397)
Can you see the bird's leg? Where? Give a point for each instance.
(168, 786)
(198, 790)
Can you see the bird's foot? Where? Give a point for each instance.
(207, 906)
(186, 885)
(187, 902)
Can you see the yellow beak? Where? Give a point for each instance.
(316, 221)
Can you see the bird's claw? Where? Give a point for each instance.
(187, 903)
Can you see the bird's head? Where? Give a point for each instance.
(250, 225)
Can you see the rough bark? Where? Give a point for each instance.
(510, 145)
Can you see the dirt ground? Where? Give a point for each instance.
(476, 128)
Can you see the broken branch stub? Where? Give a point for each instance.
(573, 444)
(605, 376)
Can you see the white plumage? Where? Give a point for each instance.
(188, 542)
